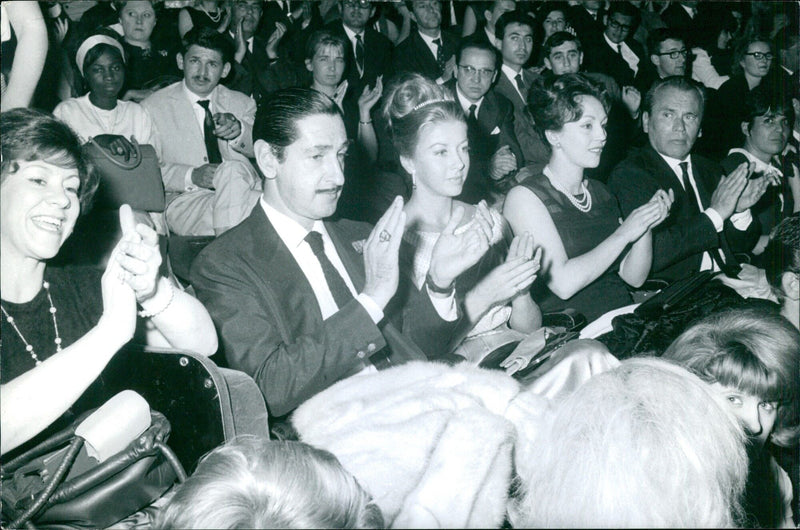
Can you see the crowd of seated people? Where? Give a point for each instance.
(376, 184)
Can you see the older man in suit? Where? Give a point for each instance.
(515, 32)
(429, 50)
(302, 302)
(710, 219)
(206, 137)
(493, 147)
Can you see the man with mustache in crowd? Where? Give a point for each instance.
(206, 133)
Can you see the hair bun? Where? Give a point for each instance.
(411, 92)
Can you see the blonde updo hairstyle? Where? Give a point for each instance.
(412, 103)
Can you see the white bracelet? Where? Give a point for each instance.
(160, 302)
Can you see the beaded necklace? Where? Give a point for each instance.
(28, 345)
(584, 204)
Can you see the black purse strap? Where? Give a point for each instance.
(134, 162)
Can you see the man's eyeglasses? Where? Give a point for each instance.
(471, 71)
(761, 55)
(613, 24)
(674, 54)
(363, 4)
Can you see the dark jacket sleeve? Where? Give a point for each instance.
(290, 359)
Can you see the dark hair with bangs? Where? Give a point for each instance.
(754, 350)
(557, 39)
(322, 38)
(276, 120)
(211, 39)
(413, 102)
(556, 101)
(30, 135)
(766, 101)
(783, 253)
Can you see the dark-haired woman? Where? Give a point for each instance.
(588, 255)
(61, 326)
(101, 62)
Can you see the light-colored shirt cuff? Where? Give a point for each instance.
(715, 218)
(372, 308)
(445, 307)
(188, 184)
(742, 220)
(440, 81)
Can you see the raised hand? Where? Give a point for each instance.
(368, 98)
(730, 188)
(645, 217)
(455, 253)
(754, 189)
(226, 126)
(138, 255)
(449, 68)
(381, 254)
(632, 99)
(341, 90)
(203, 176)
(240, 41)
(275, 39)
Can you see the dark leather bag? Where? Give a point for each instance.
(136, 182)
(57, 484)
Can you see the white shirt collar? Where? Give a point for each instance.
(429, 40)
(796, 134)
(674, 163)
(510, 72)
(690, 11)
(492, 38)
(289, 230)
(352, 34)
(466, 104)
(611, 43)
(194, 98)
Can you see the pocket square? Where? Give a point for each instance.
(495, 131)
(359, 245)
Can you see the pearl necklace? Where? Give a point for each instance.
(584, 204)
(213, 18)
(29, 346)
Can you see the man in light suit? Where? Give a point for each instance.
(710, 219)
(206, 136)
(515, 32)
(493, 147)
(300, 301)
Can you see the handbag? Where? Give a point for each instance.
(57, 483)
(136, 182)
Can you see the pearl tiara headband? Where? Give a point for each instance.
(430, 102)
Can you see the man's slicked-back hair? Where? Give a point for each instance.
(473, 43)
(557, 39)
(208, 38)
(276, 120)
(512, 17)
(678, 82)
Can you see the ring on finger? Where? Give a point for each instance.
(384, 236)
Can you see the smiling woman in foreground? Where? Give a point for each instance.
(61, 326)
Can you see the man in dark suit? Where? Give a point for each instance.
(682, 17)
(515, 31)
(368, 54)
(586, 19)
(710, 219)
(301, 302)
(493, 147)
(251, 56)
(614, 53)
(429, 50)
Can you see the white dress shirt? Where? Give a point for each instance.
(466, 104)
(351, 36)
(741, 220)
(627, 54)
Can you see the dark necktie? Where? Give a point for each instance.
(619, 49)
(521, 85)
(360, 54)
(339, 290)
(723, 255)
(440, 60)
(212, 148)
(687, 185)
(472, 117)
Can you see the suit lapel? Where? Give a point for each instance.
(279, 269)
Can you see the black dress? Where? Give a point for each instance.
(581, 232)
